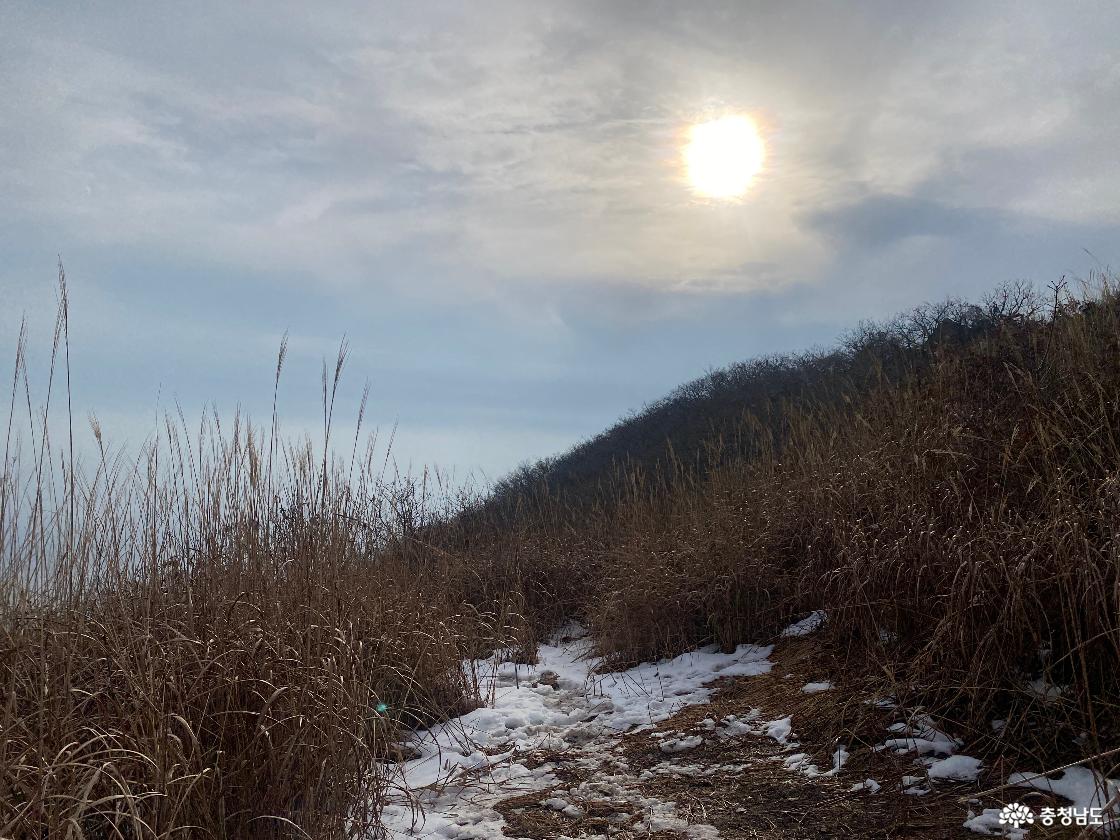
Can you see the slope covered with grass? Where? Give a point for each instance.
(230, 635)
(945, 488)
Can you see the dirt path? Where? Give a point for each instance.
(752, 744)
(737, 781)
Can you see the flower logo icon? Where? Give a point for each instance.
(1016, 815)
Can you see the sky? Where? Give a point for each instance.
(488, 200)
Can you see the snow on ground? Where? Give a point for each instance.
(816, 687)
(780, 730)
(955, 768)
(937, 751)
(1087, 790)
(921, 735)
(469, 764)
(1092, 796)
(805, 626)
(561, 705)
(988, 822)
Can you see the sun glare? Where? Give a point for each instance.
(723, 156)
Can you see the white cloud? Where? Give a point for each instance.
(544, 147)
(525, 157)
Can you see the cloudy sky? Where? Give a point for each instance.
(488, 199)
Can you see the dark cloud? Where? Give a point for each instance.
(878, 221)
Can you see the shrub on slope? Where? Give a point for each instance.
(956, 518)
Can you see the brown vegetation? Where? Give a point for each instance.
(947, 487)
(223, 638)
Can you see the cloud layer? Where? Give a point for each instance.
(488, 198)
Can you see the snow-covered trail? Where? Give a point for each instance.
(468, 765)
(553, 741)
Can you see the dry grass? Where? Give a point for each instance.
(225, 638)
(957, 520)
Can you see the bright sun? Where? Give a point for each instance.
(722, 156)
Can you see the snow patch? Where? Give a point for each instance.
(1045, 691)
(780, 730)
(801, 761)
(1083, 787)
(807, 625)
(676, 745)
(921, 737)
(987, 822)
(469, 764)
(955, 768)
(734, 726)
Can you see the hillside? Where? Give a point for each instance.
(235, 635)
(735, 412)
